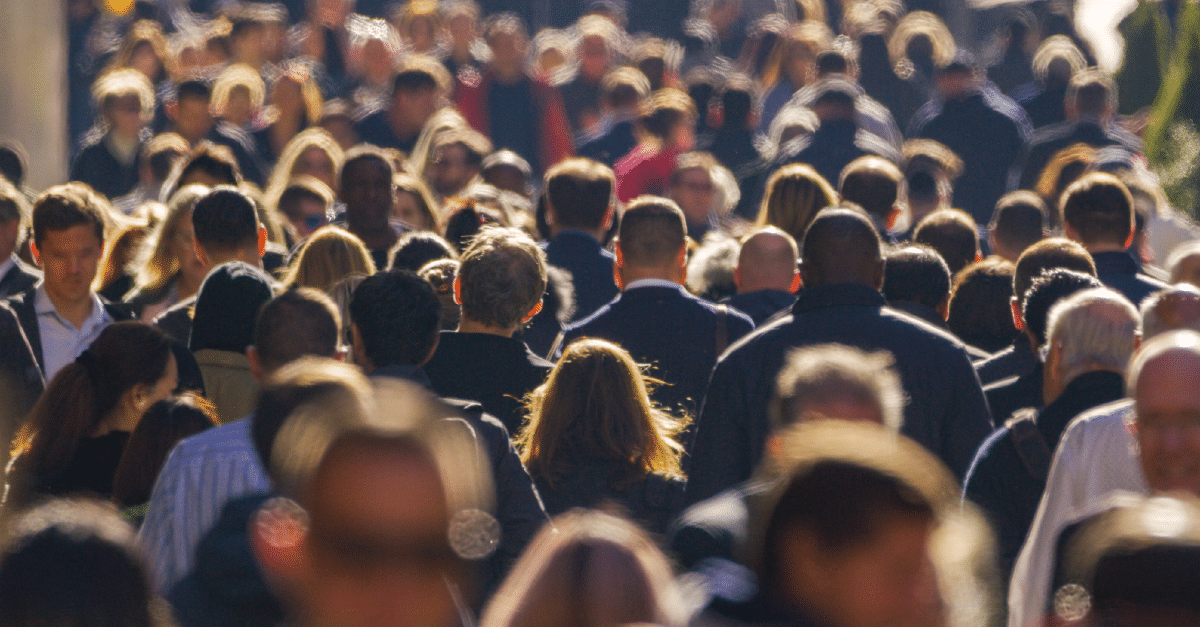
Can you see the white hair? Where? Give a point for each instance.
(1095, 327)
(1185, 341)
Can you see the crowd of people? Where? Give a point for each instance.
(822, 313)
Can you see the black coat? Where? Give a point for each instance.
(1122, 272)
(652, 501)
(761, 305)
(19, 278)
(1014, 361)
(946, 412)
(669, 329)
(590, 265)
(100, 169)
(612, 145)
(1047, 141)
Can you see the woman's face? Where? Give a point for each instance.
(184, 250)
(317, 164)
(145, 61)
(408, 210)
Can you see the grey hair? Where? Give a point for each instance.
(824, 372)
(1184, 341)
(710, 270)
(1152, 318)
(1095, 327)
(1183, 252)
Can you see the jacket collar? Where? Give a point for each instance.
(414, 374)
(838, 295)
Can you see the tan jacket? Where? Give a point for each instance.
(228, 383)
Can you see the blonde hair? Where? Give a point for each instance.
(794, 194)
(156, 264)
(927, 24)
(596, 404)
(328, 256)
(811, 33)
(410, 184)
(123, 82)
(234, 76)
(313, 137)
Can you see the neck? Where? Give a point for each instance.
(1105, 248)
(74, 311)
(674, 274)
(467, 325)
(188, 286)
(596, 233)
(236, 255)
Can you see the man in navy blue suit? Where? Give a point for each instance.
(655, 318)
(579, 210)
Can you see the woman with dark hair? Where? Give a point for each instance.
(78, 429)
(166, 423)
(593, 435)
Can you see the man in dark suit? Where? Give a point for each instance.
(1098, 213)
(842, 270)
(15, 275)
(500, 284)
(1091, 103)
(579, 210)
(655, 318)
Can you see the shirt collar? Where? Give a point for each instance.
(44, 306)
(652, 283)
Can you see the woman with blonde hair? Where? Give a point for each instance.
(794, 194)
(593, 435)
(415, 203)
(1064, 168)
(588, 569)
(312, 152)
(328, 256)
(166, 269)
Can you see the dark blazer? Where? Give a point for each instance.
(669, 329)
(998, 480)
(20, 376)
(1017, 392)
(612, 145)
(1122, 272)
(494, 371)
(590, 265)
(761, 305)
(1014, 361)
(833, 146)
(947, 412)
(100, 169)
(1046, 142)
(19, 278)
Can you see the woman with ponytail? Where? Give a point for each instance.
(78, 428)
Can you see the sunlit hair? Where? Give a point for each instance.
(233, 77)
(828, 373)
(1095, 327)
(1057, 48)
(329, 255)
(1183, 263)
(1064, 168)
(149, 33)
(588, 569)
(929, 153)
(445, 119)
(416, 187)
(156, 264)
(922, 23)
(811, 34)
(119, 251)
(794, 194)
(120, 83)
(595, 405)
(314, 137)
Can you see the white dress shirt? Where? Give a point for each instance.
(1096, 457)
(61, 341)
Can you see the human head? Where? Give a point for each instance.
(1056, 60)
(301, 321)
(366, 188)
(416, 248)
(840, 382)
(953, 234)
(395, 320)
(959, 78)
(14, 215)
(440, 274)
(1097, 211)
(501, 279)
(415, 204)
(207, 164)
(916, 273)
(794, 56)
(507, 171)
(980, 311)
(652, 238)
(225, 224)
(1046, 290)
(227, 306)
(668, 116)
(595, 404)
(238, 94)
(1018, 222)
(1048, 254)
(328, 256)
(455, 160)
(1170, 309)
(624, 89)
(1161, 381)
(506, 35)
(75, 562)
(1184, 264)
(68, 239)
(464, 220)
(163, 425)
(125, 99)
(835, 101)
(842, 246)
(169, 252)
(1091, 94)
(190, 112)
(876, 185)
(13, 162)
(1095, 329)
(307, 204)
(312, 152)
(692, 185)
(417, 92)
(159, 157)
(794, 194)
(768, 259)
(588, 562)
(579, 195)
(845, 534)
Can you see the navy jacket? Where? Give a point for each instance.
(946, 412)
(998, 480)
(97, 167)
(1014, 361)
(835, 145)
(1018, 392)
(1122, 272)
(1046, 142)
(494, 371)
(652, 501)
(989, 132)
(19, 278)
(590, 265)
(612, 145)
(669, 329)
(20, 375)
(761, 305)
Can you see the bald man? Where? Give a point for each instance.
(767, 274)
(842, 270)
(1096, 455)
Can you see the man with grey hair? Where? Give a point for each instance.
(1090, 337)
(818, 382)
(500, 283)
(1096, 455)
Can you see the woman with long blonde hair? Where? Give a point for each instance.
(593, 436)
(793, 196)
(166, 269)
(328, 256)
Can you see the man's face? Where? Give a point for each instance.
(192, 118)
(414, 107)
(69, 259)
(694, 192)
(451, 169)
(368, 193)
(377, 551)
(887, 581)
(1168, 422)
(9, 230)
(508, 52)
(125, 115)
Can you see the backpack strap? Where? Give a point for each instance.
(1031, 446)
